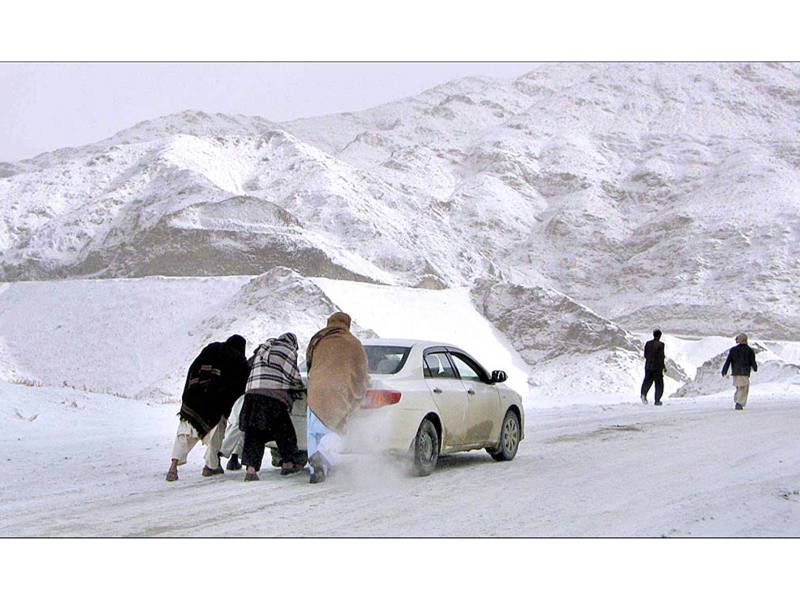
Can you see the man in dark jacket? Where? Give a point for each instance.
(654, 367)
(741, 358)
(216, 378)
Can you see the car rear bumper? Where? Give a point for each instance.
(377, 430)
(370, 430)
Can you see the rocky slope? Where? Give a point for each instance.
(568, 346)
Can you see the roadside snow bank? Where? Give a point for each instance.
(771, 370)
(113, 336)
(136, 337)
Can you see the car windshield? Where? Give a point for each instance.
(381, 360)
(386, 360)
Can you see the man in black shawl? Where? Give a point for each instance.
(215, 380)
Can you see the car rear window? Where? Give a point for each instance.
(386, 360)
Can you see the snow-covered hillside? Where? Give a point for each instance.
(653, 194)
(136, 337)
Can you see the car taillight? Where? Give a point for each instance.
(378, 398)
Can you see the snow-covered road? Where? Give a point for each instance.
(690, 468)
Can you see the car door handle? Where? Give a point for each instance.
(437, 391)
(471, 392)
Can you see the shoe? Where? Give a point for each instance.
(289, 468)
(172, 475)
(644, 399)
(233, 463)
(320, 468)
(301, 458)
(317, 477)
(208, 471)
(251, 477)
(738, 407)
(657, 402)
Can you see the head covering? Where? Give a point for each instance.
(237, 342)
(289, 338)
(741, 338)
(339, 319)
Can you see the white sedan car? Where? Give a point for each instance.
(429, 399)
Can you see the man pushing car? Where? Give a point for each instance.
(337, 384)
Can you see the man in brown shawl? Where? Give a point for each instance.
(337, 383)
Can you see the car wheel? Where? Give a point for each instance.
(509, 438)
(426, 449)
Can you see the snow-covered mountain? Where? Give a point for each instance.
(652, 193)
(613, 197)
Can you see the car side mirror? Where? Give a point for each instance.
(499, 376)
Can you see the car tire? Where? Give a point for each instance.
(510, 432)
(425, 449)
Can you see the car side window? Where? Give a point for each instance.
(465, 369)
(436, 364)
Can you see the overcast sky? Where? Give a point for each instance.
(49, 106)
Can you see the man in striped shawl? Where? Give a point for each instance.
(274, 379)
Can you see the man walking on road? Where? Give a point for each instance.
(653, 367)
(741, 358)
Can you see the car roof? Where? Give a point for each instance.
(404, 342)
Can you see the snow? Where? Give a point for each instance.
(118, 335)
(773, 373)
(208, 157)
(93, 465)
(536, 223)
(135, 337)
(650, 193)
(691, 352)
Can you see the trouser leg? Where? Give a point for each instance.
(330, 447)
(285, 435)
(742, 390)
(185, 439)
(659, 381)
(253, 452)
(234, 436)
(648, 381)
(213, 441)
(234, 440)
(315, 431)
